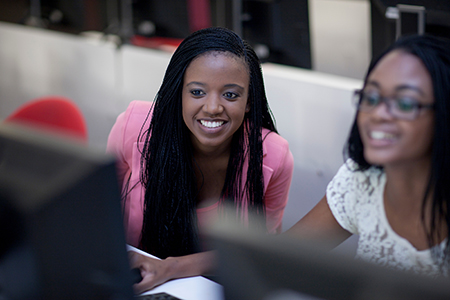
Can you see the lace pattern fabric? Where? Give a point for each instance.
(356, 201)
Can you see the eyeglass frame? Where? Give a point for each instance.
(390, 103)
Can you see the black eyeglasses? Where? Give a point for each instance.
(402, 108)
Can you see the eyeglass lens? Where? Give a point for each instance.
(402, 108)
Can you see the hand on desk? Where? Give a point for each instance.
(155, 271)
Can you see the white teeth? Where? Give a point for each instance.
(211, 124)
(378, 135)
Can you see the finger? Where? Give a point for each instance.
(136, 275)
(146, 284)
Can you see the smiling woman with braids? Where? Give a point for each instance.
(208, 139)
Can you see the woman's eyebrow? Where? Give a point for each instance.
(374, 83)
(231, 85)
(410, 87)
(398, 88)
(195, 83)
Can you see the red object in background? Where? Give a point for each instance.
(162, 43)
(53, 113)
(199, 12)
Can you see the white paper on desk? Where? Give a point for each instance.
(190, 288)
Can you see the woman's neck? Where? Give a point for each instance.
(403, 202)
(406, 184)
(208, 152)
(210, 170)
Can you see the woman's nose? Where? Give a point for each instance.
(382, 111)
(212, 105)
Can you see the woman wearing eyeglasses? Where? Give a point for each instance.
(393, 190)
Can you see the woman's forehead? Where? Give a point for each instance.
(400, 68)
(228, 54)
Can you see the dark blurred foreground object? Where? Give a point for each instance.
(55, 114)
(64, 238)
(258, 266)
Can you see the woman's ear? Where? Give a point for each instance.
(247, 107)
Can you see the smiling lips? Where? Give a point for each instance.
(381, 135)
(212, 124)
(381, 139)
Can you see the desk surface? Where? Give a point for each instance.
(191, 288)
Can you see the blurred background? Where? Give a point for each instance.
(103, 54)
(291, 32)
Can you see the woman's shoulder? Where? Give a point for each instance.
(273, 140)
(138, 109)
(275, 149)
(136, 114)
(353, 169)
(353, 195)
(129, 124)
(351, 179)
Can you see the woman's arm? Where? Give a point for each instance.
(278, 168)
(320, 225)
(155, 271)
(115, 147)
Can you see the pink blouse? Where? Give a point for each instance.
(278, 165)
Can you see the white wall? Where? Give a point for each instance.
(340, 34)
(313, 112)
(312, 109)
(143, 72)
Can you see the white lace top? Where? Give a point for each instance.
(356, 201)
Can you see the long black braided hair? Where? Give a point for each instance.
(167, 168)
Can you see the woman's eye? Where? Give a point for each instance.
(230, 95)
(371, 99)
(406, 104)
(197, 92)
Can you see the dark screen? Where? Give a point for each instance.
(63, 202)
